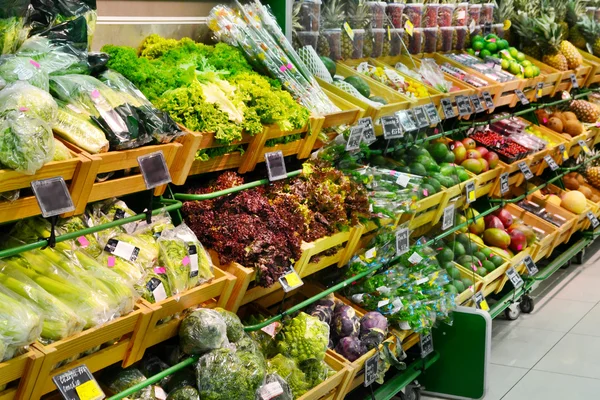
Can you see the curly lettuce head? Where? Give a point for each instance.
(21, 96)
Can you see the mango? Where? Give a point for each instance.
(472, 165)
(478, 226)
(496, 237)
(475, 238)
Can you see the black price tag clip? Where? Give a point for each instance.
(53, 197)
(155, 172)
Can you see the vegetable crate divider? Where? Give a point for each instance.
(478, 283)
(553, 151)
(486, 181)
(430, 209)
(582, 221)
(594, 63)
(119, 336)
(77, 171)
(114, 161)
(20, 374)
(515, 176)
(593, 135)
(566, 230)
(435, 96)
(244, 293)
(212, 294)
(349, 113)
(545, 245)
(582, 73)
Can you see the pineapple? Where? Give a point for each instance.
(575, 8)
(523, 28)
(332, 16)
(505, 12)
(574, 58)
(296, 26)
(585, 111)
(547, 35)
(323, 48)
(592, 174)
(590, 30)
(359, 17)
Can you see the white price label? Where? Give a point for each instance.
(514, 278)
(355, 137)
(448, 220)
(402, 241)
(551, 163)
(415, 258)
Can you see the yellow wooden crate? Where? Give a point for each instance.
(566, 230)
(549, 232)
(594, 63)
(20, 375)
(553, 151)
(77, 172)
(349, 113)
(549, 76)
(429, 210)
(515, 176)
(486, 181)
(574, 147)
(334, 388)
(582, 74)
(466, 296)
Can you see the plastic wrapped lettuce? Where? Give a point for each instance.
(202, 330)
(274, 382)
(61, 152)
(235, 328)
(109, 109)
(56, 56)
(26, 141)
(76, 127)
(49, 13)
(21, 323)
(118, 380)
(14, 68)
(155, 286)
(13, 15)
(27, 98)
(184, 393)
(89, 243)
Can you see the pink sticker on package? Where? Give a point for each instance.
(34, 63)
(160, 270)
(95, 93)
(185, 261)
(83, 241)
(110, 262)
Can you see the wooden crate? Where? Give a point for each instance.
(118, 336)
(77, 171)
(465, 297)
(115, 161)
(349, 113)
(334, 387)
(549, 76)
(575, 148)
(540, 166)
(566, 230)
(430, 209)
(20, 375)
(515, 176)
(215, 293)
(594, 63)
(582, 74)
(545, 245)
(486, 181)
(434, 95)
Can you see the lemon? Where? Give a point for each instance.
(526, 63)
(505, 64)
(514, 68)
(529, 72)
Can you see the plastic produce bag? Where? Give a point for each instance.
(61, 152)
(49, 13)
(21, 323)
(14, 68)
(235, 328)
(184, 393)
(288, 369)
(26, 142)
(155, 286)
(434, 76)
(76, 127)
(109, 109)
(202, 330)
(275, 384)
(157, 123)
(27, 98)
(89, 243)
(13, 14)
(118, 380)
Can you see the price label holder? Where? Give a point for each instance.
(368, 133)
(432, 114)
(574, 83)
(464, 106)
(525, 170)
(487, 28)
(355, 137)
(539, 90)
(155, 173)
(504, 187)
(420, 117)
(406, 121)
(447, 108)
(593, 220)
(402, 244)
(78, 384)
(392, 129)
(53, 198)
(477, 103)
(470, 192)
(489, 101)
(522, 98)
(532, 269)
(514, 278)
(290, 281)
(426, 344)
(563, 150)
(551, 163)
(480, 302)
(448, 219)
(585, 147)
(371, 366)
(275, 165)
(270, 391)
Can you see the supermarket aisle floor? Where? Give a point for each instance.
(553, 353)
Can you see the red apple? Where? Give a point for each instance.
(473, 154)
(460, 154)
(482, 150)
(505, 217)
(491, 221)
(484, 164)
(518, 240)
(469, 143)
(492, 159)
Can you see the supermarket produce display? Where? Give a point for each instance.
(430, 158)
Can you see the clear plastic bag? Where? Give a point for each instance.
(49, 13)
(434, 76)
(13, 15)
(76, 127)
(14, 68)
(61, 152)
(22, 96)
(202, 330)
(275, 384)
(21, 323)
(55, 56)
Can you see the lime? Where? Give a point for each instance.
(505, 64)
(526, 63)
(502, 44)
(513, 52)
(514, 68)
(488, 265)
(520, 56)
(528, 72)
(484, 53)
(477, 38)
(536, 70)
(497, 260)
(459, 286)
(478, 45)
(471, 52)
(445, 255)
(492, 47)
(438, 151)
(450, 289)
(480, 256)
(487, 252)
(450, 157)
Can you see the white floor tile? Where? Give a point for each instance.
(501, 379)
(574, 355)
(590, 324)
(538, 385)
(519, 346)
(553, 314)
(579, 288)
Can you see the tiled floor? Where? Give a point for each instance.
(554, 352)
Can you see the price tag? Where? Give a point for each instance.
(403, 180)
(156, 287)
(78, 384)
(355, 138)
(593, 219)
(415, 258)
(504, 187)
(272, 329)
(532, 269)
(448, 220)
(52, 196)
(480, 301)
(349, 30)
(402, 244)
(406, 121)
(525, 170)
(563, 150)
(122, 249)
(539, 90)
(551, 163)
(159, 393)
(487, 28)
(270, 391)
(420, 117)
(154, 169)
(477, 103)
(464, 106)
(368, 133)
(275, 165)
(391, 127)
(409, 27)
(522, 98)
(448, 109)
(574, 83)
(426, 344)
(489, 101)
(432, 114)
(371, 253)
(585, 147)
(470, 192)
(514, 278)
(290, 281)
(371, 366)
